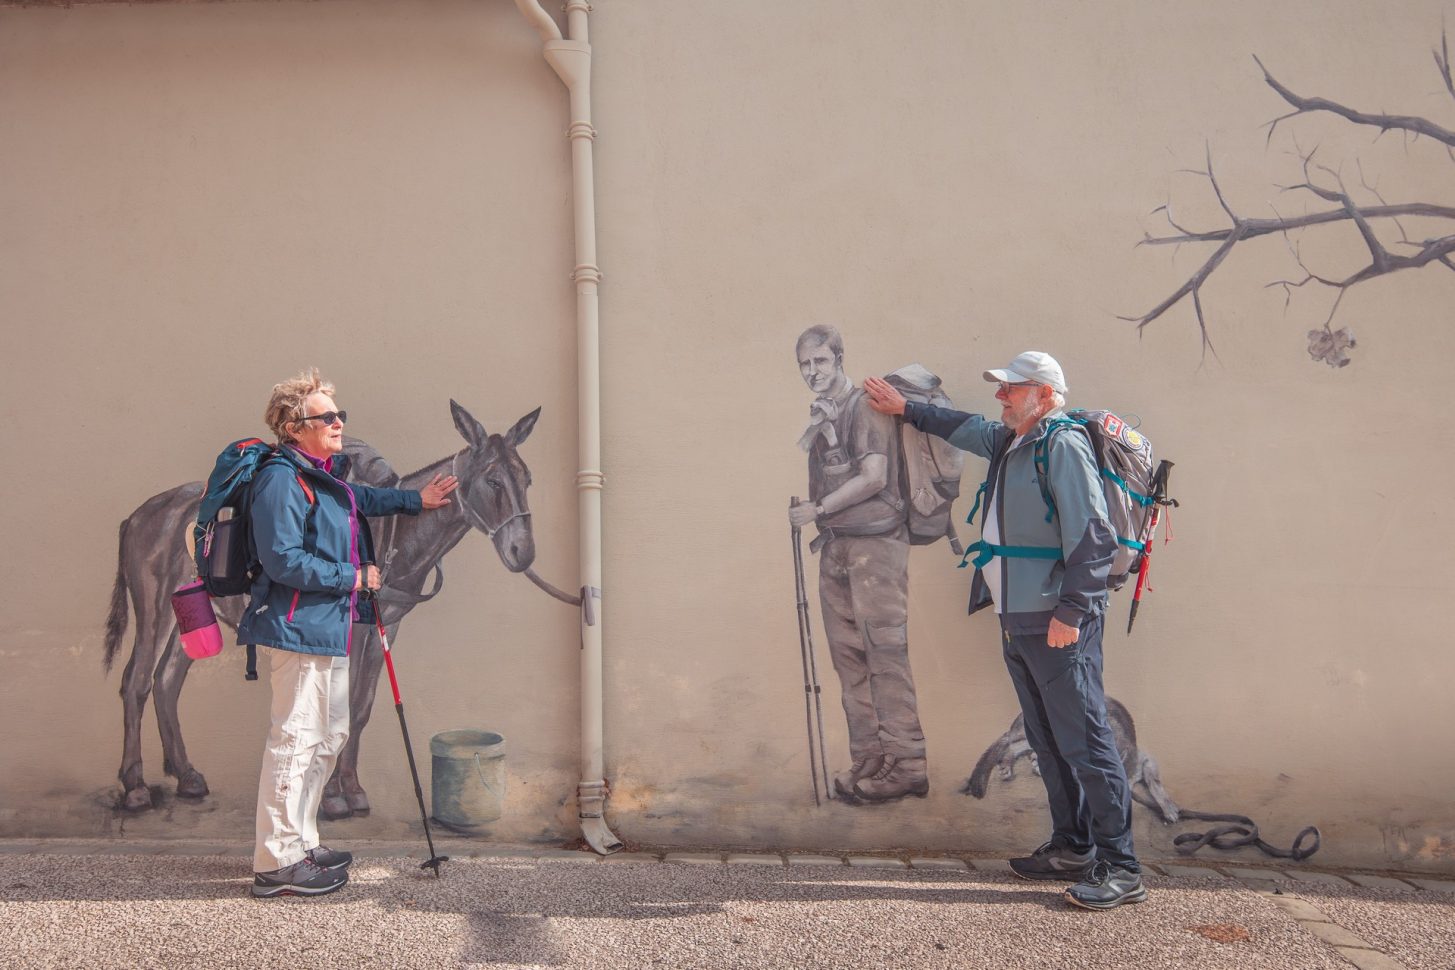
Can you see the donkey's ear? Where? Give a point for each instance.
(471, 430)
(522, 429)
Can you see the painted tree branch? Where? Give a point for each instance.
(1346, 209)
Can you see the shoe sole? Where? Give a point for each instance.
(914, 792)
(1060, 876)
(1136, 896)
(272, 892)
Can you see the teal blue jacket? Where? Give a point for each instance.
(1071, 587)
(308, 531)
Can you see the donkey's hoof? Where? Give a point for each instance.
(191, 785)
(137, 799)
(358, 802)
(334, 807)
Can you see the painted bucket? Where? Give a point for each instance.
(467, 778)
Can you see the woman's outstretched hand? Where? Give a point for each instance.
(433, 495)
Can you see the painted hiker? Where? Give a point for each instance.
(863, 549)
(315, 554)
(1044, 561)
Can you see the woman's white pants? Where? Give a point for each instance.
(310, 726)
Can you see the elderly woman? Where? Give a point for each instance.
(313, 545)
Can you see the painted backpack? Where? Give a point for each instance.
(929, 467)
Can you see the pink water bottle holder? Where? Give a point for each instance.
(201, 636)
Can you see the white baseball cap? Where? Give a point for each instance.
(1032, 366)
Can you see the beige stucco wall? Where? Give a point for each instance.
(199, 199)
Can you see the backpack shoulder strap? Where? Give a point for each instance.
(307, 489)
(1042, 458)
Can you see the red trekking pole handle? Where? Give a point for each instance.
(1144, 562)
(369, 594)
(389, 657)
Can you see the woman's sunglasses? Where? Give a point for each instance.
(327, 417)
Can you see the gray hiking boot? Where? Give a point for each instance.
(1054, 861)
(895, 778)
(300, 879)
(861, 768)
(1107, 887)
(330, 859)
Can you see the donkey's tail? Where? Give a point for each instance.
(116, 619)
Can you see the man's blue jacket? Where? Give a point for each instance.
(303, 598)
(1072, 588)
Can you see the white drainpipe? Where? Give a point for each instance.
(571, 60)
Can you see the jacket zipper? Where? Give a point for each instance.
(294, 605)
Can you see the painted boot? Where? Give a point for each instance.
(865, 767)
(896, 778)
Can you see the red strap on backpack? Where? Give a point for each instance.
(306, 489)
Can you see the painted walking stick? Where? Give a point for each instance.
(812, 695)
(1159, 497)
(434, 860)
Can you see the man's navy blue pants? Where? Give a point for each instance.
(1066, 725)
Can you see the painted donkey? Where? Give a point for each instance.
(153, 561)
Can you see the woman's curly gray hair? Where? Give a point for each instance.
(285, 407)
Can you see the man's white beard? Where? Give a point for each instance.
(1018, 416)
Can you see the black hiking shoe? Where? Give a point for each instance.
(300, 879)
(330, 859)
(1107, 887)
(1056, 862)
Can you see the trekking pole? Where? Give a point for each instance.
(434, 860)
(1159, 497)
(810, 672)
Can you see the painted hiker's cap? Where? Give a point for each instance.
(1031, 366)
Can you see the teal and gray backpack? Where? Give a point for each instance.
(226, 561)
(1124, 457)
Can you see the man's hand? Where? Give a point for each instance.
(1061, 635)
(367, 577)
(432, 496)
(802, 514)
(883, 397)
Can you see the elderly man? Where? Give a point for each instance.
(1046, 575)
(863, 577)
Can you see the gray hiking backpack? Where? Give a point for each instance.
(1124, 458)
(929, 467)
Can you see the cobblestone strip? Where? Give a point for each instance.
(1351, 946)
